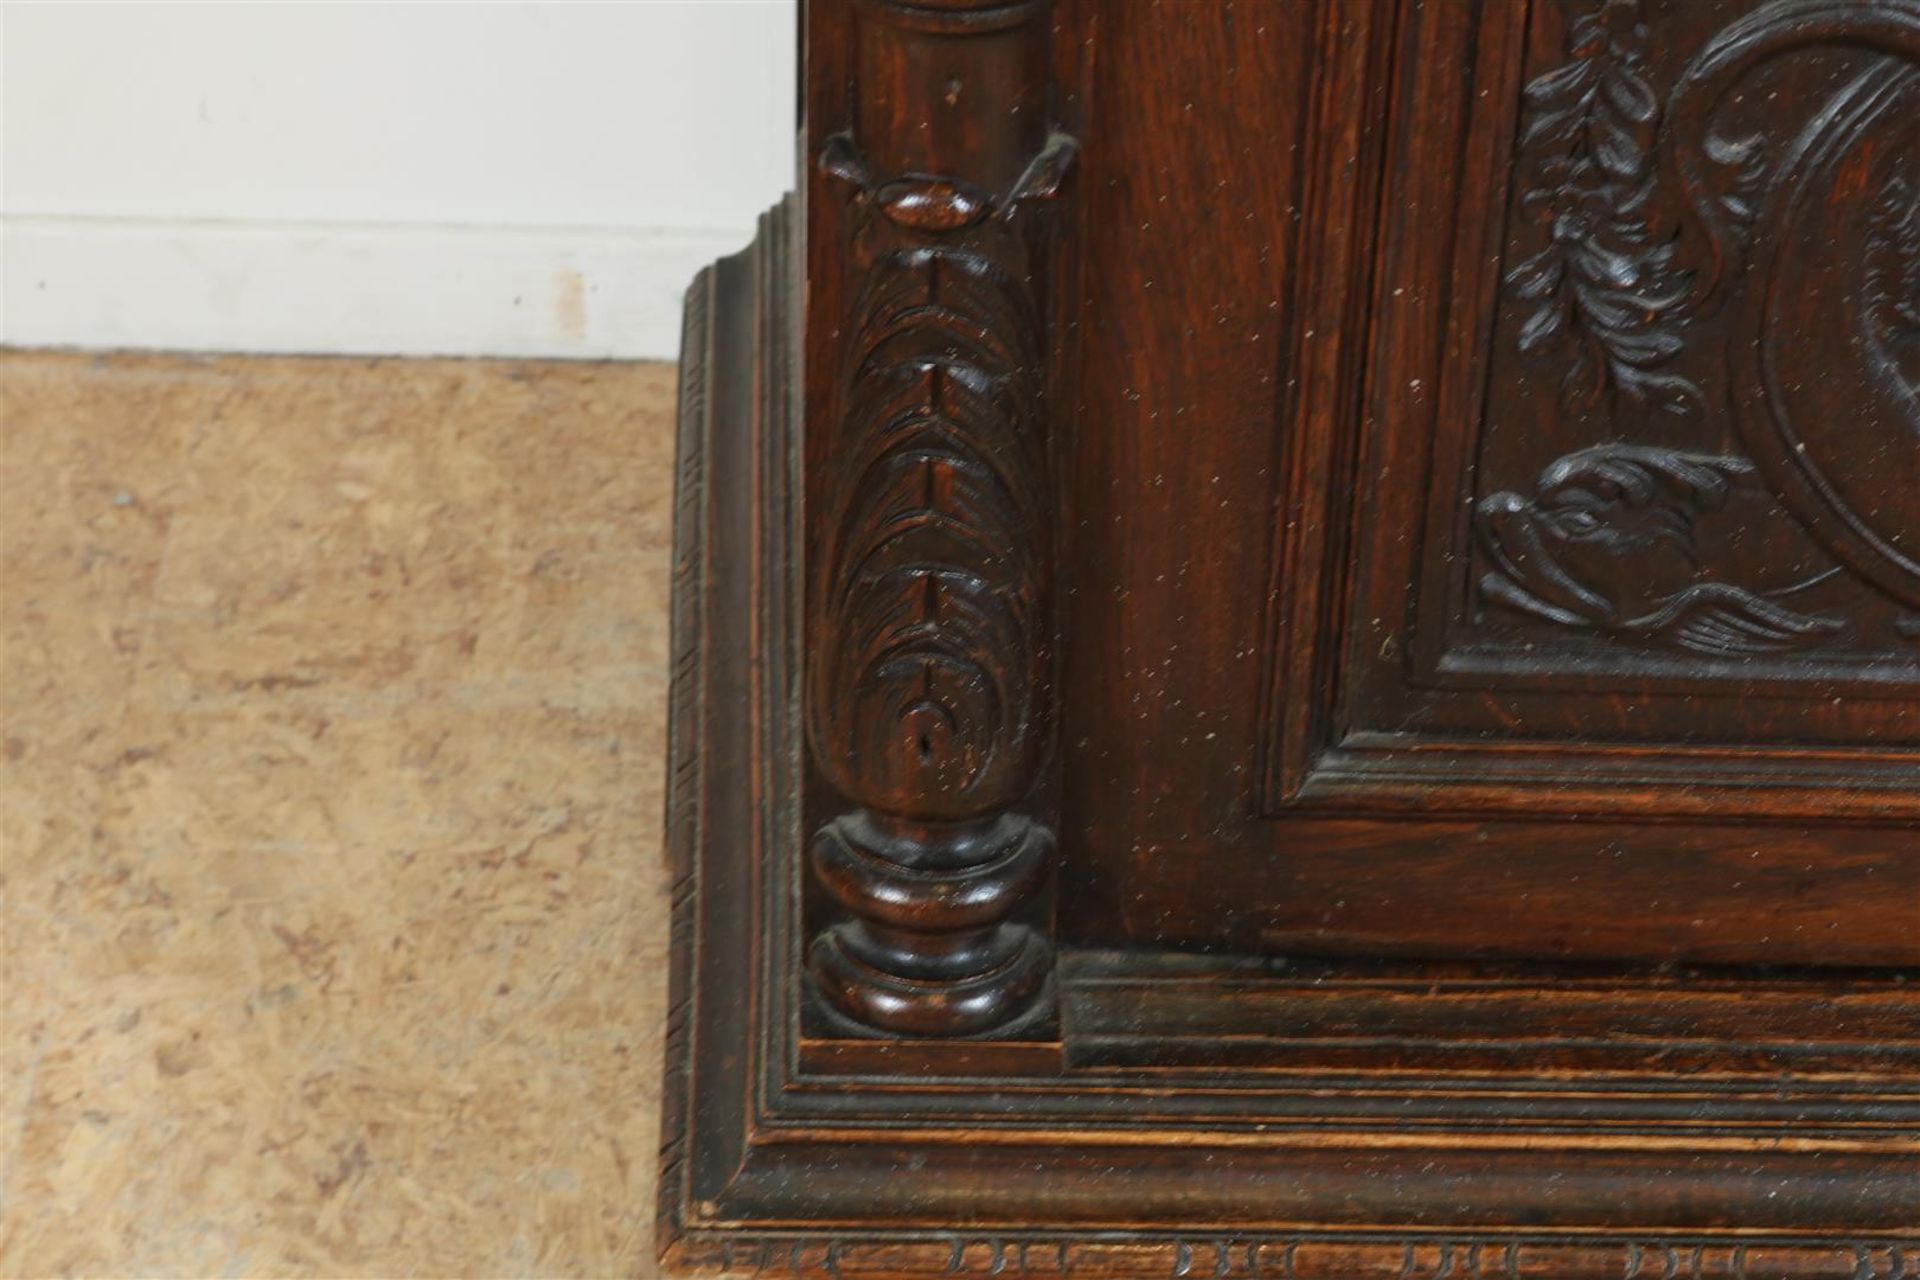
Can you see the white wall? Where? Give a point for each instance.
(406, 177)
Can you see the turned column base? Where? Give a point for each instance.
(930, 949)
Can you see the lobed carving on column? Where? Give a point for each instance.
(930, 596)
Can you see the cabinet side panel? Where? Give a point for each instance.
(1192, 175)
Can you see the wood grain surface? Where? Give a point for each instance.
(1453, 467)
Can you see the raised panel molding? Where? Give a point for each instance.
(1680, 379)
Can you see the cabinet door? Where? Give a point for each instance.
(1495, 514)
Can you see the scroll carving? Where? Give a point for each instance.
(1658, 220)
(930, 674)
(1843, 450)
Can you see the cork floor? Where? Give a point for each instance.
(330, 737)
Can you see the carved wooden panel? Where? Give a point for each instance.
(1644, 418)
(1682, 266)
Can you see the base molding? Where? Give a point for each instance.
(1297, 1257)
(1195, 1116)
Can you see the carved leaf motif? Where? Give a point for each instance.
(1605, 292)
(932, 665)
(1718, 179)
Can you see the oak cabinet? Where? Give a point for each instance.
(1298, 648)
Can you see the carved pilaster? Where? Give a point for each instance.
(930, 601)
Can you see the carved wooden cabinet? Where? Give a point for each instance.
(1297, 635)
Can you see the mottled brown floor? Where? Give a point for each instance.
(332, 717)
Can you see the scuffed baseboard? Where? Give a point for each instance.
(323, 288)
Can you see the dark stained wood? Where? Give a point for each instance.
(1192, 227)
(930, 680)
(1160, 1010)
(1475, 758)
(1298, 650)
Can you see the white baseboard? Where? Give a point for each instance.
(348, 289)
